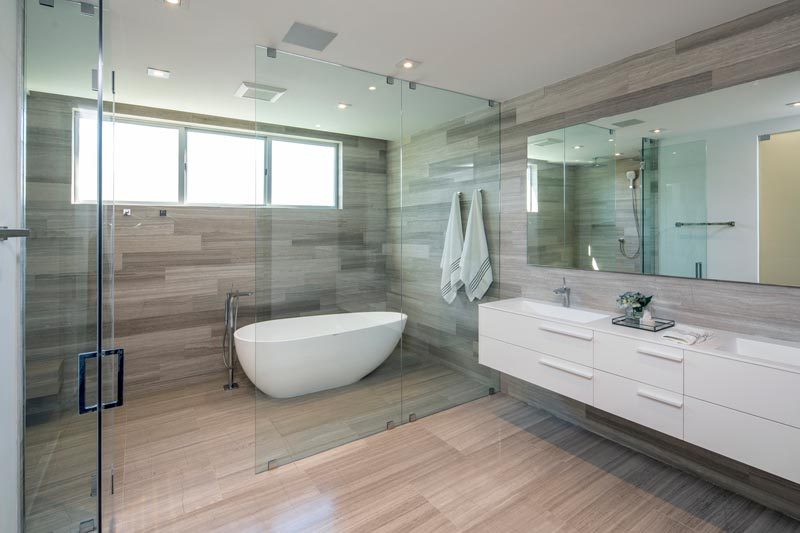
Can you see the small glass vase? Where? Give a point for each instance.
(635, 313)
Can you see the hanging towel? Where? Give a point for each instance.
(476, 269)
(451, 255)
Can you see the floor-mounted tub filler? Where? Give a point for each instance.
(296, 356)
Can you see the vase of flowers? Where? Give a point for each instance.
(634, 304)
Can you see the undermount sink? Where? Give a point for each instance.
(767, 351)
(545, 310)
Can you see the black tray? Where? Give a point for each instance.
(658, 323)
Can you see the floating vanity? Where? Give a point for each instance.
(736, 395)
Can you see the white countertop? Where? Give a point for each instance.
(779, 354)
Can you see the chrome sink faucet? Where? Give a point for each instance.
(564, 292)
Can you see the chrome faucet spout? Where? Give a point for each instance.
(564, 291)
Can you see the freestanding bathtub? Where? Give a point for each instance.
(295, 356)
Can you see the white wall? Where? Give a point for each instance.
(10, 367)
(732, 194)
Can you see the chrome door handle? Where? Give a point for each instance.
(82, 358)
(6, 232)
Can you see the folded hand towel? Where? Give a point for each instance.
(476, 269)
(687, 336)
(451, 255)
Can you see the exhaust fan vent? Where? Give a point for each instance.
(629, 122)
(260, 92)
(309, 37)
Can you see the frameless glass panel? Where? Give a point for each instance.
(324, 355)
(224, 169)
(140, 163)
(61, 445)
(303, 174)
(450, 149)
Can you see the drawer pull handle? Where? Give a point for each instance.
(661, 355)
(565, 367)
(568, 332)
(658, 397)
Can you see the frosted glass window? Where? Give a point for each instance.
(140, 162)
(304, 174)
(224, 169)
(533, 188)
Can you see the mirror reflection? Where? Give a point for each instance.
(703, 187)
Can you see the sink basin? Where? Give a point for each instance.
(545, 310)
(766, 351)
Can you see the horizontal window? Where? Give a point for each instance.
(142, 164)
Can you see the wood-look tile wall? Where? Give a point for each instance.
(460, 155)
(172, 272)
(760, 45)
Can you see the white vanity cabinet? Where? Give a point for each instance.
(741, 408)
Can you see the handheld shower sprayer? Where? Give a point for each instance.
(631, 175)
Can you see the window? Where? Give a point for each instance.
(224, 169)
(142, 164)
(303, 173)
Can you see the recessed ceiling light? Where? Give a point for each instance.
(372, 88)
(794, 104)
(657, 130)
(342, 105)
(173, 2)
(408, 63)
(611, 140)
(257, 91)
(619, 154)
(318, 126)
(578, 146)
(158, 73)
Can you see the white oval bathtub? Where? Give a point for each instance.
(295, 356)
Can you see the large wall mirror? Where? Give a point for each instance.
(703, 187)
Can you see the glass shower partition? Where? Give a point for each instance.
(450, 146)
(325, 369)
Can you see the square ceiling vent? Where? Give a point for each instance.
(309, 37)
(257, 91)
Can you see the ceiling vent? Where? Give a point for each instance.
(547, 142)
(259, 92)
(309, 37)
(629, 122)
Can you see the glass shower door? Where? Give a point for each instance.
(62, 433)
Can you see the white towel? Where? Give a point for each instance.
(687, 336)
(451, 255)
(476, 269)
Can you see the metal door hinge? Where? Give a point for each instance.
(412, 417)
(390, 425)
(93, 485)
(87, 526)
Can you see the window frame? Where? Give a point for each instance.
(183, 164)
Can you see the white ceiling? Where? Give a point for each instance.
(494, 49)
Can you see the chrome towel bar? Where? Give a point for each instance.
(730, 223)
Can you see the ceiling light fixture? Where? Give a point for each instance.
(318, 126)
(794, 104)
(578, 146)
(158, 73)
(256, 91)
(372, 88)
(173, 2)
(611, 140)
(657, 130)
(342, 105)
(618, 154)
(408, 64)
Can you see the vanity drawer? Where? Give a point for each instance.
(644, 404)
(758, 390)
(766, 445)
(561, 340)
(654, 364)
(559, 375)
